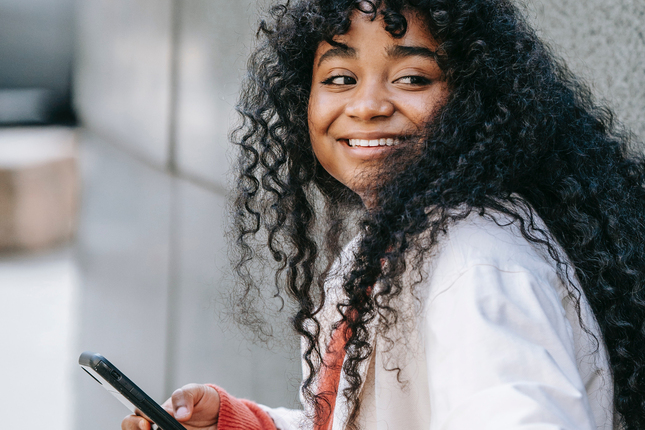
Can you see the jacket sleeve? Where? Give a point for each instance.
(241, 414)
(500, 355)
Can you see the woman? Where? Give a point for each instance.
(496, 278)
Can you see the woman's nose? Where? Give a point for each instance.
(370, 101)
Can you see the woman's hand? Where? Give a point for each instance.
(195, 406)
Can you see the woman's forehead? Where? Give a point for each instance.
(367, 28)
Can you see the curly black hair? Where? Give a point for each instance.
(517, 127)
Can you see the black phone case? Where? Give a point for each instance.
(128, 389)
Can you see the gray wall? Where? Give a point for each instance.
(155, 84)
(602, 41)
(156, 81)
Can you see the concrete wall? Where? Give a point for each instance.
(156, 81)
(604, 42)
(155, 85)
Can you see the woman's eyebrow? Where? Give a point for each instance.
(342, 51)
(402, 51)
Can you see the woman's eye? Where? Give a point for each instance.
(340, 80)
(413, 80)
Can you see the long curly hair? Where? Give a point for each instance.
(517, 127)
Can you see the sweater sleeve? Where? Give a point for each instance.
(241, 414)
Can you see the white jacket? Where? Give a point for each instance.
(497, 344)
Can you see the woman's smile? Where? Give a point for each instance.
(363, 143)
(369, 91)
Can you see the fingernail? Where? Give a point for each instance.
(181, 412)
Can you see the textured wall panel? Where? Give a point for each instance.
(123, 253)
(604, 42)
(123, 72)
(213, 44)
(207, 347)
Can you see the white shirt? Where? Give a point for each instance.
(497, 344)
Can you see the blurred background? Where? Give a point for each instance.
(114, 167)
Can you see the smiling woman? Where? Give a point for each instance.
(369, 92)
(496, 277)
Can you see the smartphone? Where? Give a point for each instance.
(133, 397)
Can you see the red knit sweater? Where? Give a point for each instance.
(240, 414)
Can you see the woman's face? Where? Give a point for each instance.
(369, 92)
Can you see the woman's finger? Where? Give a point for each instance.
(184, 400)
(135, 422)
(194, 403)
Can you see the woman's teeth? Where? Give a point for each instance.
(373, 142)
